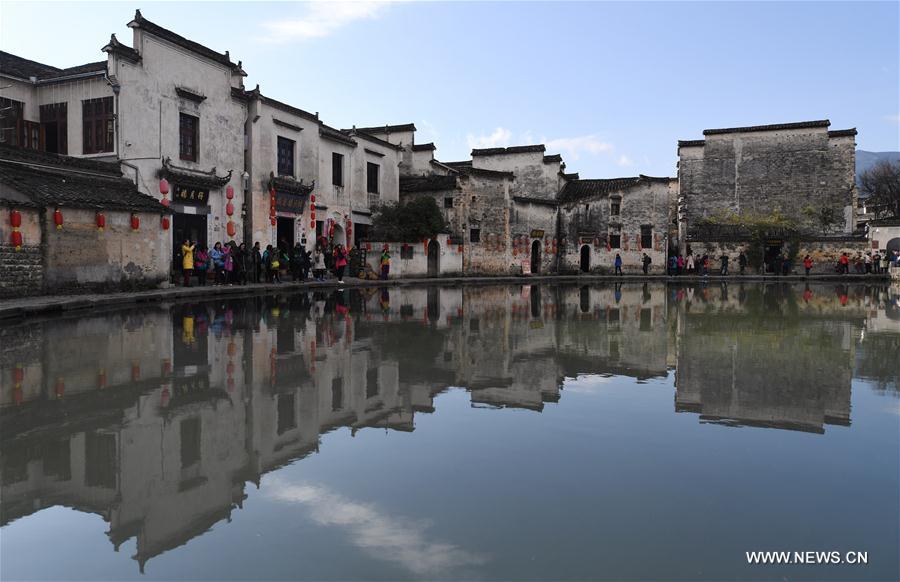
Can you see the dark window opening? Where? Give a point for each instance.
(448, 202)
(371, 382)
(285, 157)
(474, 235)
(337, 169)
(646, 237)
(615, 241)
(54, 128)
(100, 460)
(337, 394)
(190, 441)
(188, 132)
(11, 121)
(372, 178)
(615, 205)
(286, 413)
(97, 125)
(406, 252)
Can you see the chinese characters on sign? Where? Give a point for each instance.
(285, 202)
(192, 196)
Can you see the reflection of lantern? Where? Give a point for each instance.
(229, 368)
(230, 228)
(135, 222)
(164, 222)
(58, 219)
(18, 374)
(101, 378)
(163, 186)
(164, 398)
(229, 192)
(101, 221)
(60, 388)
(273, 221)
(135, 372)
(232, 349)
(17, 240)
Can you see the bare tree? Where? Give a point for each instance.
(881, 183)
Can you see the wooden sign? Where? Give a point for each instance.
(537, 233)
(190, 196)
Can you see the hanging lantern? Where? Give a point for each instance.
(16, 239)
(101, 221)
(229, 192)
(312, 198)
(60, 388)
(58, 219)
(163, 186)
(312, 224)
(273, 221)
(229, 209)
(135, 222)
(459, 249)
(15, 218)
(368, 246)
(164, 398)
(101, 378)
(230, 228)
(164, 222)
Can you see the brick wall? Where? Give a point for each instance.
(21, 272)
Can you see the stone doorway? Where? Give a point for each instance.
(434, 258)
(585, 258)
(536, 257)
(773, 249)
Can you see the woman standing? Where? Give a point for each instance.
(319, 265)
(385, 263)
(229, 263)
(218, 261)
(187, 261)
(340, 262)
(807, 264)
(201, 265)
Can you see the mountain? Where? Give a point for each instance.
(865, 160)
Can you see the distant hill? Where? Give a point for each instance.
(865, 160)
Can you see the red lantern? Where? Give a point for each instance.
(312, 224)
(164, 222)
(15, 218)
(229, 209)
(273, 221)
(164, 398)
(312, 215)
(60, 388)
(165, 202)
(312, 198)
(58, 219)
(17, 240)
(230, 228)
(101, 378)
(101, 221)
(163, 186)
(368, 246)
(229, 192)
(135, 222)
(19, 374)
(459, 249)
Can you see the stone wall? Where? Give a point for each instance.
(788, 170)
(21, 272)
(450, 259)
(530, 219)
(824, 254)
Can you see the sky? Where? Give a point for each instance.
(611, 86)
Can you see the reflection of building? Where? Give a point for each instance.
(156, 419)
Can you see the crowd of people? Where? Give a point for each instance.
(235, 264)
(864, 263)
(877, 263)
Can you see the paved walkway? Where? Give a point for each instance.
(42, 304)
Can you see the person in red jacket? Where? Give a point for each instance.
(807, 264)
(844, 262)
(340, 262)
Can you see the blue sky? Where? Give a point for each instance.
(611, 86)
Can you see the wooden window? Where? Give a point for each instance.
(371, 382)
(31, 137)
(337, 394)
(474, 235)
(189, 136)
(448, 202)
(55, 128)
(615, 205)
(287, 415)
(337, 169)
(11, 121)
(372, 181)
(191, 441)
(285, 156)
(406, 252)
(97, 119)
(615, 241)
(646, 237)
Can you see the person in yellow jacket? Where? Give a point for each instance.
(187, 261)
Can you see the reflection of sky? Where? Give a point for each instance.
(386, 537)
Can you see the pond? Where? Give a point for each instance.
(478, 432)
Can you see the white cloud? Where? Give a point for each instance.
(322, 19)
(624, 161)
(500, 137)
(576, 146)
(893, 118)
(383, 536)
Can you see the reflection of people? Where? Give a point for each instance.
(187, 333)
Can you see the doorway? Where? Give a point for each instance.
(434, 258)
(536, 257)
(285, 232)
(187, 227)
(585, 258)
(773, 249)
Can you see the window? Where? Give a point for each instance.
(11, 113)
(406, 252)
(337, 169)
(188, 133)
(97, 125)
(54, 128)
(371, 382)
(32, 135)
(372, 177)
(448, 202)
(100, 460)
(287, 416)
(285, 157)
(190, 441)
(615, 204)
(615, 241)
(646, 237)
(337, 394)
(474, 235)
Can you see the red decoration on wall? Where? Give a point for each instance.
(273, 221)
(163, 186)
(229, 192)
(15, 218)
(312, 198)
(229, 209)
(135, 222)
(101, 221)
(164, 222)
(16, 239)
(230, 228)
(58, 219)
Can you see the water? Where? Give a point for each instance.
(505, 433)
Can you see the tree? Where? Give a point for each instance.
(408, 221)
(825, 217)
(881, 183)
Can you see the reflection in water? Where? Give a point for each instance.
(157, 419)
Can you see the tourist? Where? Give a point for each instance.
(296, 262)
(340, 262)
(318, 264)
(228, 259)
(304, 264)
(777, 264)
(679, 265)
(645, 260)
(618, 264)
(859, 265)
(742, 262)
(243, 264)
(876, 263)
(867, 261)
(689, 265)
(807, 264)
(885, 263)
(705, 262)
(385, 262)
(271, 264)
(786, 266)
(895, 258)
(218, 262)
(187, 261)
(844, 264)
(724, 264)
(256, 260)
(201, 264)
(673, 265)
